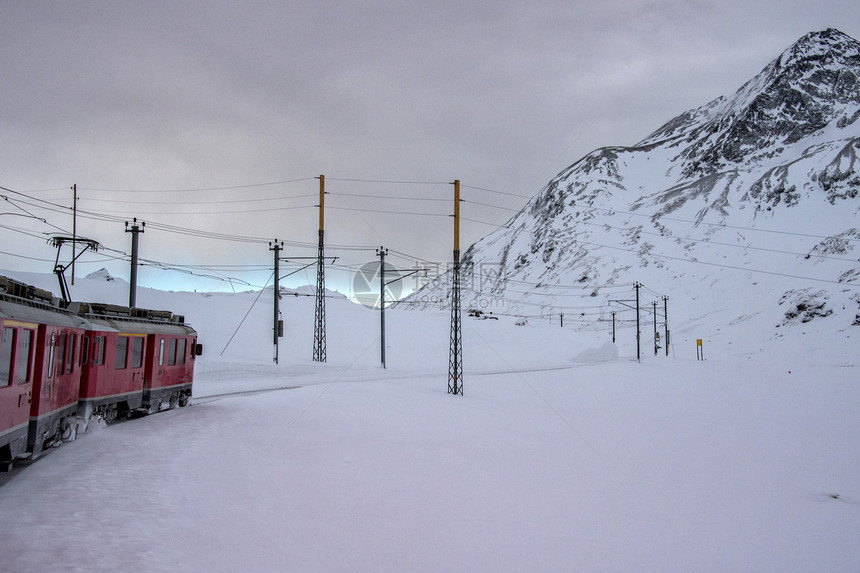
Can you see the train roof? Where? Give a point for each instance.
(37, 312)
(124, 319)
(26, 302)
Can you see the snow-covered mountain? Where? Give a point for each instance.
(744, 212)
(103, 275)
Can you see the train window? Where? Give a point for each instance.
(171, 352)
(8, 343)
(98, 350)
(85, 349)
(161, 353)
(180, 352)
(136, 352)
(51, 349)
(193, 349)
(70, 353)
(121, 352)
(61, 354)
(24, 357)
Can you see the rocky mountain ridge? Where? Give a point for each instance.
(744, 210)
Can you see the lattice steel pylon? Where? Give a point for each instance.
(455, 355)
(319, 314)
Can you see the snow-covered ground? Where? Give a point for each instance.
(564, 454)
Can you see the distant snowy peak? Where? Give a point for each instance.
(820, 49)
(103, 275)
(811, 86)
(799, 114)
(821, 65)
(310, 290)
(811, 89)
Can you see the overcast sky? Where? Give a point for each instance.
(151, 107)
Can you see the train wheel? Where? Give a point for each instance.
(183, 400)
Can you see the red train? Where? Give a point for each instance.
(61, 367)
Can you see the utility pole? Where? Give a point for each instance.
(74, 227)
(656, 347)
(638, 354)
(398, 276)
(319, 313)
(132, 287)
(276, 324)
(666, 324)
(455, 354)
(382, 251)
(562, 320)
(613, 327)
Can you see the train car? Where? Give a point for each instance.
(141, 361)
(56, 380)
(39, 370)
(170, 359)
(17, 350)
(62, 364)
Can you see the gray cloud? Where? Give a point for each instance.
(190, 95)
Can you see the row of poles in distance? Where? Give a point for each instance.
(636, 287)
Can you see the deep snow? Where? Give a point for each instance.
(560, 455)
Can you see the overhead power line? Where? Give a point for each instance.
(721, 265)
(30, 201)
(197, 212)
(392, 197)
(24, 232)
(215, 202)
(497, 192)
(493, 206)
(718, 243)
(26, 257)
(388, 212)
(196, 189)
(661, 218)
(719, 225)
(388, 181)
